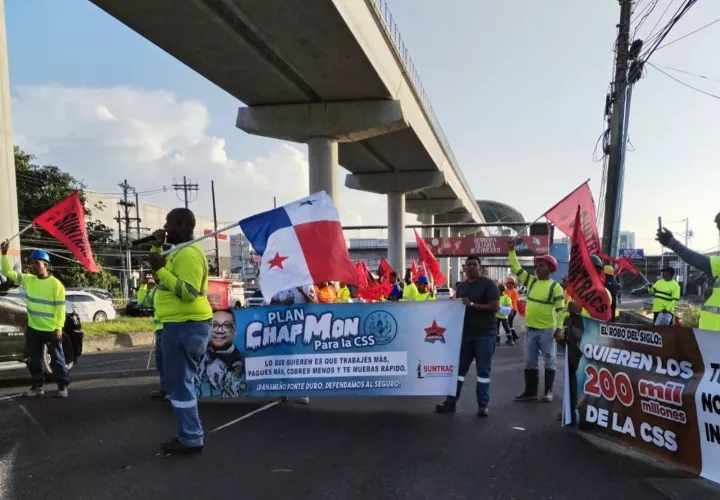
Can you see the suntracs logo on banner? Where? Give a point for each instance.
(424, 370)
(435, 333)
(382, 326)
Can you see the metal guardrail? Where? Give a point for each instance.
(392, 31)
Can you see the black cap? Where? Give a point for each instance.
(668, 269)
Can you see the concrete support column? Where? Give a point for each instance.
(456, 270)
(445, 261)
(396, 231)
(323, 159)
(427, 219)
(8, 192)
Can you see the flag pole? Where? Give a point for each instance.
(200, 238)
(23, 230)
(549, 209)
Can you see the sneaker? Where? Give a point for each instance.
(547, 397)
(524, 396)
(35, 390)
(175, 447)
(62, 393)
(159, 394)
(483, 411)
(445, 407)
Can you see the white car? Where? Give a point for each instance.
(444, 293)
(90, 307)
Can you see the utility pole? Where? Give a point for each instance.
(186, 189)
(618, 133)
(685, 266)
(217, 245)
(126, 206)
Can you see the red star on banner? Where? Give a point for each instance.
(435, 333)
(277, 261)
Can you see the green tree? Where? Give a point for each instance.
(39, 187)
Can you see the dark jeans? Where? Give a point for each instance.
(506, 326)
(480, 350)
(35, 340)
(511, 318)
(672, 321)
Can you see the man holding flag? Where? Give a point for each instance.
(544, 302)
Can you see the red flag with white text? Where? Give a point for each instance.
(429, 262)
(563, 216)
(585, 285)
(66, 222)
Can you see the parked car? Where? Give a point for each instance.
(13, 321)
(134, 310)
(444, 293)
(254, 298)
(100, 293)
(90, 307)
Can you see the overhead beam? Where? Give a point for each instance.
(429, 207)
(344, 121)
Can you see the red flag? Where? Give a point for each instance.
(385, 269)
(66, 222)
(361, 269)
(413, 269)
(585, 285)
(375, 292)
(429, 261)
(563, 216)
(624, 264)
(521, 308)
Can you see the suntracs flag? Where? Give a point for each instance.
(563, 216)
(301, 243)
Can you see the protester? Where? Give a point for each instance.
(482, 302)
(666, 293)
(396, 293)
(146, 298)
(46, 312)
(343, 293)
(326, 293)
(613, 287)
(511, 291)
(502, 316)
(424, 291)
(544, 303)
(710, 313)
(182, 305)
(299, 295)
(409, 291)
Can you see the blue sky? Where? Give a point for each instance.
(519, 88)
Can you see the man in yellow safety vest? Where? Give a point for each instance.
(45, 298)
(667, 294)
(710, 313)
(182, 305)
(146, 299)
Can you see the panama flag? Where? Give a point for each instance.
(301, 243)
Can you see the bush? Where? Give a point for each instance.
(121, 325)
(690, 317)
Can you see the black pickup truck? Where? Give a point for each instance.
(13, 320)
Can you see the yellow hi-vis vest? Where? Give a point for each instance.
(343, 294)
(710, 313)
(667, 294)
(182, 289)
(504, 301)
(146, 299)
(45, 298)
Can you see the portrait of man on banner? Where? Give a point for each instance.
(222, 373)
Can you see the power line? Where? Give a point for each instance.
(689, 34)
(689, 73)
(685, 84)
(656, 40)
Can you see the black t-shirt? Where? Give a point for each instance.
(479, 323)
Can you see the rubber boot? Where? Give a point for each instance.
(531, 386)
(549, 381)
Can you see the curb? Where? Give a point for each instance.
(114, 341)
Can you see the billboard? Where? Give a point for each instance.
(487, 246)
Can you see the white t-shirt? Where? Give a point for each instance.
(295, 295)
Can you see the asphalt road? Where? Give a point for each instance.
(103, 442)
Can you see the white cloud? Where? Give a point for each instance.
(105, 135)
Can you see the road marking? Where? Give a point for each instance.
(102, 363)
(12, 396)
(32, 419)
(233, 422)
(519, 428)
